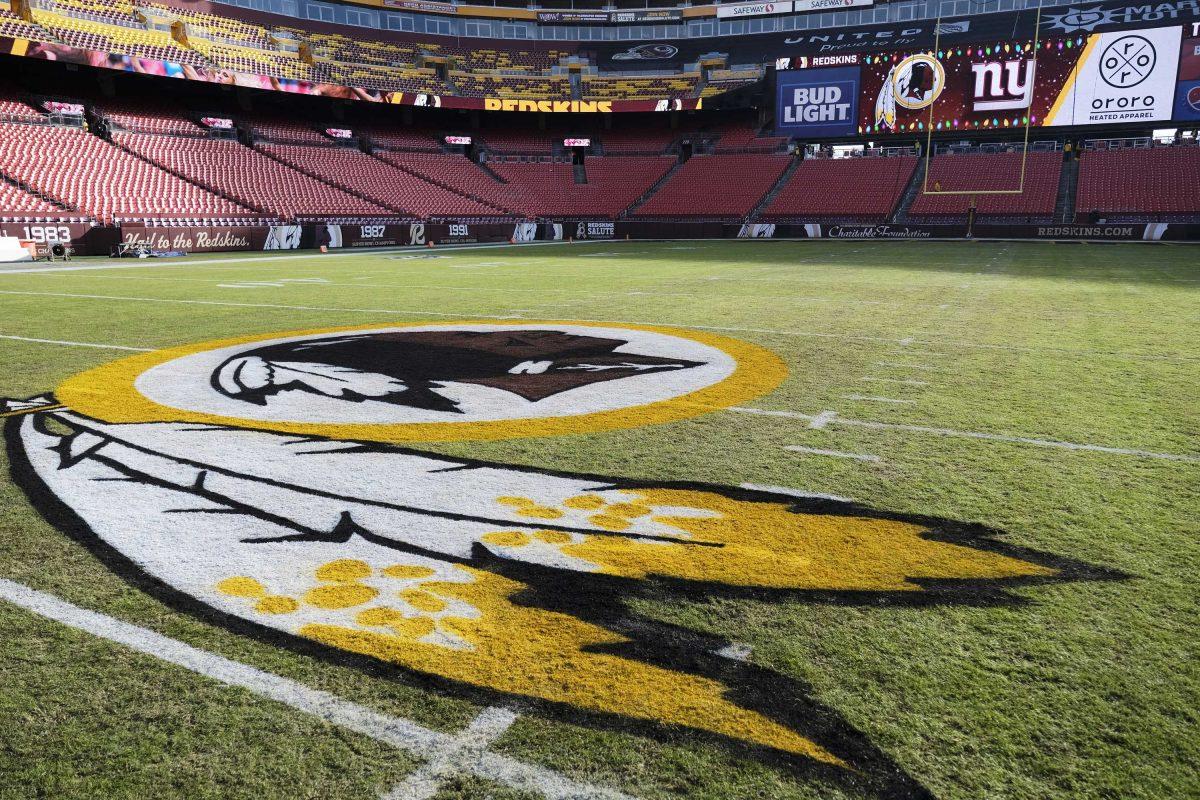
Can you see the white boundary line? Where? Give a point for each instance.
(259, 305)
(76, 344)
(398, 732)
(340, 251)
(831, 418)
(873, 399)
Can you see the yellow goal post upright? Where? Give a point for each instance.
(937, 40)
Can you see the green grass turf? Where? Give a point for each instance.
(1087, 689)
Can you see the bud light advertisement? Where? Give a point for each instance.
(817, 102)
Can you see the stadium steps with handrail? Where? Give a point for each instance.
(429, 178)
(774, 191)
(496, 176)
(25, 187)
(900, 212)
(658, 184)
(334, 184)
(1068, 182)
(580, 173)
(202, 184)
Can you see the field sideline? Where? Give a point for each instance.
(1045, 391)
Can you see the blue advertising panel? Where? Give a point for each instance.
(817, 102)
(1187, 93)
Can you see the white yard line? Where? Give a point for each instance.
(872, 399)
(992, 437)
(397, 732)
(297, 257)
(125, 298)
(483, 731)
(816, 451)
(905, 365)
(902, 381)
(76, 344)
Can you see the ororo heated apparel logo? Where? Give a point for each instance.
(1127, 62)
(269, 483)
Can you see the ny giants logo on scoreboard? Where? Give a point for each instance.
(1002, 85)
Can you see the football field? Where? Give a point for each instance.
(721, 520)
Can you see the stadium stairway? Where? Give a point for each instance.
(654, 187)
(353, 192)
(429, 177)
(7, 180)
(119, 141)
(1068, 181)
(580, 173)
(900, 212)
(774, 191)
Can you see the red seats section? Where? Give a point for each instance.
(742, 137)
(402, 138)
(380, 181)
(990, 172)
(716, 186)
(258, 181)
(506, 141)
(13, 109)
(82, 171)
(1164, 180)
(16, 203)
(150, 119)
(637, 141)
(864, 189)
(614, 183)
(279, 130)
(458, 173)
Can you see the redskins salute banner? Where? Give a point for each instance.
(278, 484)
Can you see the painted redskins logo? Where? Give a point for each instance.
(270, 483)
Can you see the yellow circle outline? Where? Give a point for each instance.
(108, 392)
(941, 71)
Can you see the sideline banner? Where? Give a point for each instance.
(83, 238)
(213, 239)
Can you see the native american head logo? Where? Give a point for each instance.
(914, 83)
(270, 483)
(409, 368)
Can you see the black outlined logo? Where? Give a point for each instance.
(1127, 62)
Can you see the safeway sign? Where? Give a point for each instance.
(735, 10)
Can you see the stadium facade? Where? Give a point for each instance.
(304, 124)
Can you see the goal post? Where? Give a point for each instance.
(929, 126)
